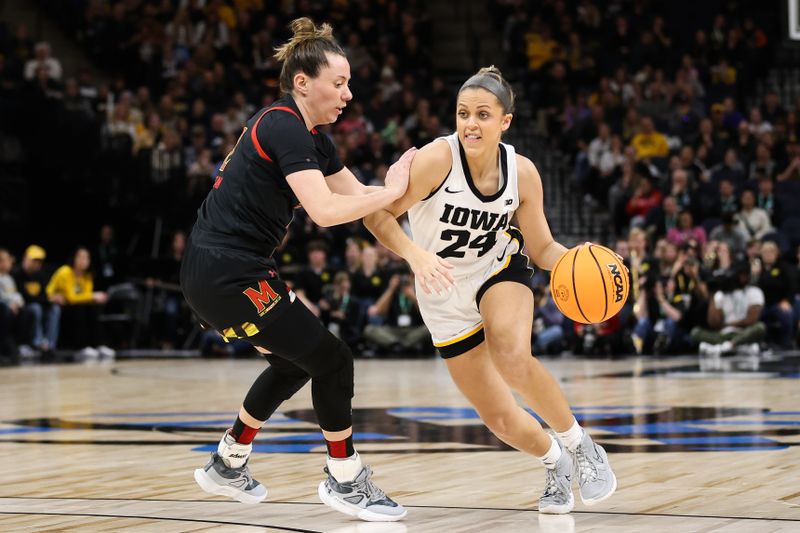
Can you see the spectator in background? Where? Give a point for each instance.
(681, 190)
(772, 110)
(777, 281)
(587, 164)
(649, 143)
(754, 222)
(792, 170)
(758, 125)
(730, 169)
(352, 256)
(11, 303)
(685, 231)
(108, 266)
(685, 121)
(344, 317)
(745, 145)
(40, 317)
(663, 218)
(729, 233)
(645, 197)
(169, 305)
(370, 282)
(686, 301)
(734, 314)
(727, 197)
(547, 323)
(311, 280)
(765, 199)
(762, 164)
(72, 287)
(402, 329)
(43, 60)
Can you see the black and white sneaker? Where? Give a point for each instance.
(360, 498)
(237, 483)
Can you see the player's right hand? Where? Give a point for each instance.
(432, 272)
(398, 173)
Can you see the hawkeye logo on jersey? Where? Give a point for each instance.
(265, 298)
(477, 219)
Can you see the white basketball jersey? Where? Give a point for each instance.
(464, 226)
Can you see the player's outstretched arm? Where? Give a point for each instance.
(330, 208)
(543, 249)
(428, 170)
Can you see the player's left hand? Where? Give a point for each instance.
(433, 272)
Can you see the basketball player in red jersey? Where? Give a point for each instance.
(463, 192)
(230, 280)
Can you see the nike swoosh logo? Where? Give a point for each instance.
(447, 189)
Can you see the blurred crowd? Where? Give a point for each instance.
(658, 113)
(695, 169)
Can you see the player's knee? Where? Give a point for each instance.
(498, 421)
(507, 343)
(515, 367)
(332, 362)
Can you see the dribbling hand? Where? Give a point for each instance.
(432, 271)
(398, 173)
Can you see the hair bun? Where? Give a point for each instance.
(491, 69)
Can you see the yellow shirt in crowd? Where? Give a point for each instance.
(650, 145)
(75, 290)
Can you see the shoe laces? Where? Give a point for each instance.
(368, 487)
(551, 487)
(587, 471)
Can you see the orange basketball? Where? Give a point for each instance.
(589, 284)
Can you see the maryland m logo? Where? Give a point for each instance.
(264, 298)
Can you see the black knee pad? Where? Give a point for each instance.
(332, 362)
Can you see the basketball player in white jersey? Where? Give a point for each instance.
(474, 285)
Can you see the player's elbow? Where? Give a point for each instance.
(371, 222)
(321, 214)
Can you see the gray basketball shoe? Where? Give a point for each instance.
(557, 497)
(595, 477)
(236, 483)
(360, 498)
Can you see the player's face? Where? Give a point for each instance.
(329, 92)
(480, 119)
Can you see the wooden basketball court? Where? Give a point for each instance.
(112, 447)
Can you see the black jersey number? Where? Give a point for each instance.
(230, 154)
(483, 243)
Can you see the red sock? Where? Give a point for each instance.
(340, 449)
(243, 433)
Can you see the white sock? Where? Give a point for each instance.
(572, 437)
(344, 470)
(233, 454)
(552, 456)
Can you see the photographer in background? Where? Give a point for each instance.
(343, 316)
(682, 302)
(733, 314)
(402, 329)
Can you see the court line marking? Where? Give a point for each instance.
(219, 522)
(621, 513)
